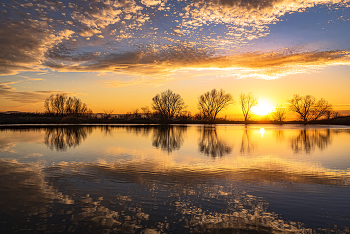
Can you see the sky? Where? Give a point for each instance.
(117, 55)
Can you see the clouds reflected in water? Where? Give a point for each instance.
(167, 193)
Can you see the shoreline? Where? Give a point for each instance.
(37, 119)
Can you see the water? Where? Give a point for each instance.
(177, 179)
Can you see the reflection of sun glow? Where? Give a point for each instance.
(262, 132)
(264, 107)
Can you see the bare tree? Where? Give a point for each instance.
(320, 109)
(69, 105)
(168, 104)
(247, 102)
(78, 106)
(302, 105)
(330, 114)
(308, 108)
(335, 114)
(211, 103)
(107, 114)
(55, 104)
(136, 113)
(185, 115)
(60, 104)
(146, 112)
(279, 114)
(47, 108)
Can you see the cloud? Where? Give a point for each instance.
(24, 43)
(149, 3)
(32, 79)
(150, 37)
(139, 81)
(260, 65)
(244, 20)
(25, 97)
(97, 15)
(20, 46)
(88, 32)
(35, 79)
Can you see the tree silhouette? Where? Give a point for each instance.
(55, 104)
(308, 108)
(247, 102)
(60, 104)
(107, 114)
(321, 108)
(211, 103)
(329, 114)
(168, 104)
(279, 114)
(146, 112)
(210, 144)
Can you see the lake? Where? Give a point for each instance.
(175, 179)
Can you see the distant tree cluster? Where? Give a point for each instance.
(279, 114)
(310, 109)
(60, 104)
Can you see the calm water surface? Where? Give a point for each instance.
(177, 179)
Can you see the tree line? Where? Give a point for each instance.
(60, 104)
(168, 105)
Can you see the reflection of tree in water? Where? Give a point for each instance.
(142, 130)
(168, 138)
(308, 140)
(107, 130)
(210, 144)
(279, 135)
(247, 146)
(66, 137)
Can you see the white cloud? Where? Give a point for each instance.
(149, 3)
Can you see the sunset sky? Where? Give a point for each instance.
(119, 54)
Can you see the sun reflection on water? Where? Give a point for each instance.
(262, 132)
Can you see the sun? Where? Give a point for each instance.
(264, 107)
